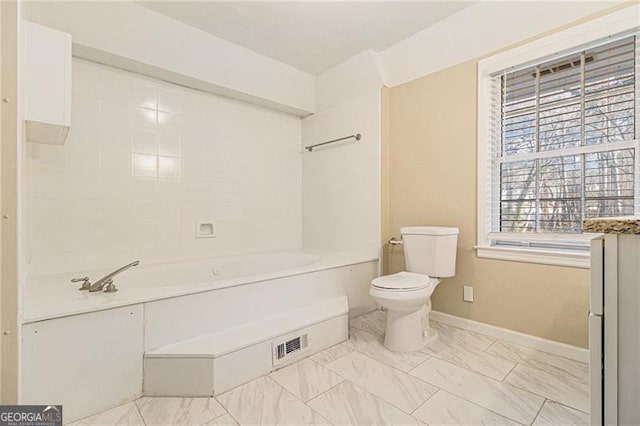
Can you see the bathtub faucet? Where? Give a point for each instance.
(107, 280)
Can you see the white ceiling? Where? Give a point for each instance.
(311, 36)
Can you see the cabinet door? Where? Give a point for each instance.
(87, 362)
(46, 83)
(628, 329)
(595, 368)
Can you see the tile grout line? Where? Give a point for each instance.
(543, 396)
(320, 365)
(430, 396)
(368, 392)
(266, 377)
(472, 403)
(520, 346)
(316, 411)
(490, 379)
(387, 364)
(565, 375)
(467, 369)
(225, 409)
(138, 409)
(375, 333)
(566, 406)
(310, 357)
(515, 364)
(298, 399)
(442, 358)
(227, 413)
(551, 369)
(344, 379)
(422, 380)
(573, 380)
(492, 343)
(539, 410)
(382, 399)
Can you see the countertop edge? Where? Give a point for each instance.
(613, 225)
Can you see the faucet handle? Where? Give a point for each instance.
(110, 287)
(85, 282)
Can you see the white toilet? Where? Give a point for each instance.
(430, 254)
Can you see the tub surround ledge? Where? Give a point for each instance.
(53, 296)
(613, 225)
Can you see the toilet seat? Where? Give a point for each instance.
(403, 281)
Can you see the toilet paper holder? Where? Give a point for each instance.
(394, 241)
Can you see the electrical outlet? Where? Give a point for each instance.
(467, 293)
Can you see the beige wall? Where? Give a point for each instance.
(432, 181)
(8, 203)
(429, 178)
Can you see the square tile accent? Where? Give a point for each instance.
(263, 401)
(348, 404)
(306, 379)
(499, 397)
(393, 386)
(179, 411)
(560, 389)
(444, 408)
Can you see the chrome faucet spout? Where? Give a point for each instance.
(107, 279)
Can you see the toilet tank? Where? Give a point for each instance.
(430, 250)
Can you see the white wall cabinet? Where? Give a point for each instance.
(87, 363)
(46, 83)
(614, 336)
(624, 290)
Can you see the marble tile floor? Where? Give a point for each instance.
(465, 378)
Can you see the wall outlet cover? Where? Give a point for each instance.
(467, 293)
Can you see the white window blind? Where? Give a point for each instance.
(565, 141)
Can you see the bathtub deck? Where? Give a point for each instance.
(53, 296)
(359, 382)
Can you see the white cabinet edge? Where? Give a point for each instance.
(47, 80)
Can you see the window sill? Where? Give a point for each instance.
(528, 255)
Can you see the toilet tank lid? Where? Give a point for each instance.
(428, 230)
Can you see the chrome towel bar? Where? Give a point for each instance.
(357, 137)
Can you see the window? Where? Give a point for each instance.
(558, 143)
(565, 146)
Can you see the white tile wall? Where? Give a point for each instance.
(145, 160)
(341, 182)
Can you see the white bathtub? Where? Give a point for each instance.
(67, 334)
(51, 296)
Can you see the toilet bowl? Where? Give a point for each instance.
(406, 297)
(430, 254)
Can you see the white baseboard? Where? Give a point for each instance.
(545, 345)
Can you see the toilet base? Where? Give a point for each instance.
(409, 331)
